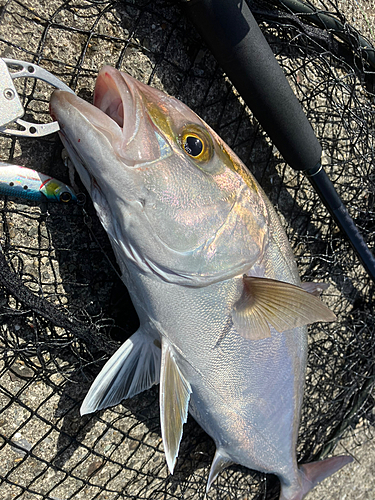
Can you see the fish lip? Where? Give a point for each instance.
(60, 107)
(61, 100)
(114, 95)
(114, 92)
(81, 167)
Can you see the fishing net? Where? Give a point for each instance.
(64, 309)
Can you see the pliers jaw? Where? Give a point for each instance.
(11, 108)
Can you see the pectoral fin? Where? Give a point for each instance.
(267, 302)
(175, 393)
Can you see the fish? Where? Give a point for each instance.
(28, 184)
(212, 276)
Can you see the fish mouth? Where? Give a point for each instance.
(119, 114)
(95, 133)
(115, 97)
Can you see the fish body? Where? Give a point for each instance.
(28, 184)
(212, 276)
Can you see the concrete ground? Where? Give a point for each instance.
(357, 480)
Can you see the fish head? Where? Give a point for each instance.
(173, 197)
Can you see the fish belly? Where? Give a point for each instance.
(245, 394)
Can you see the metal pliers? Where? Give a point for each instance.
(11, 108)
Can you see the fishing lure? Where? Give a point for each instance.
(29, 184)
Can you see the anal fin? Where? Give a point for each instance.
(175, 393)
(133, 368)
(315, 472)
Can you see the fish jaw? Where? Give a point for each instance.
(90, 137)
(187, 221)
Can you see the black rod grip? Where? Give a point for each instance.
(326, 191)
(234, 37)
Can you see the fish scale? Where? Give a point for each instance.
(250, 382)
(211, 274)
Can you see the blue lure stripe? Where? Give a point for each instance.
(28, 184)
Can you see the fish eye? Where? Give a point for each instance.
(196, 142)
(193, 146)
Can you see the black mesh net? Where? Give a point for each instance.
(64, 309)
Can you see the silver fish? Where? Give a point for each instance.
(222, 311)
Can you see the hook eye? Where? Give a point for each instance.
(65, 197)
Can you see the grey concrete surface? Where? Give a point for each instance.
(355, 482)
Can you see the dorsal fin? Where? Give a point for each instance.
(284, 306)
(175, 393)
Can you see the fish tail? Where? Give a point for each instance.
(313, 473)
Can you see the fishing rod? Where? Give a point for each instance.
(234, 37)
